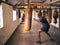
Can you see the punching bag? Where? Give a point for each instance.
(28, 19)
(49, 15)
(55, 16)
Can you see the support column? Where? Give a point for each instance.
(59, 18)
(19, 13)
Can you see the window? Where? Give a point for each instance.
(1, 16)
(14, 15)
(52, 23)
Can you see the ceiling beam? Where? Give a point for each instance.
(34, 4)
(17, 3)
(36, 8)
(39, 8)
(39, 4)
(55, 5)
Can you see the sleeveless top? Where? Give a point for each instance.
(45, 24)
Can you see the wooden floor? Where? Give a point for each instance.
(21, 37)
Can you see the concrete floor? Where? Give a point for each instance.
(21, 37)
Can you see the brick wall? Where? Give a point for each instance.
(9, 24)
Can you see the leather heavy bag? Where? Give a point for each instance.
(49, 15)
(55, 16)
(28, 19)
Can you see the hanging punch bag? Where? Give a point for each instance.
(49, 15)
(28, 19)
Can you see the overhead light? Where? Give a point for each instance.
(38, 6)
(3, 0)
(25, 6)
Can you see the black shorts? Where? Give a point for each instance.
(45, 29)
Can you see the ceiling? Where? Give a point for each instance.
(18, 2)
(14, 2)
